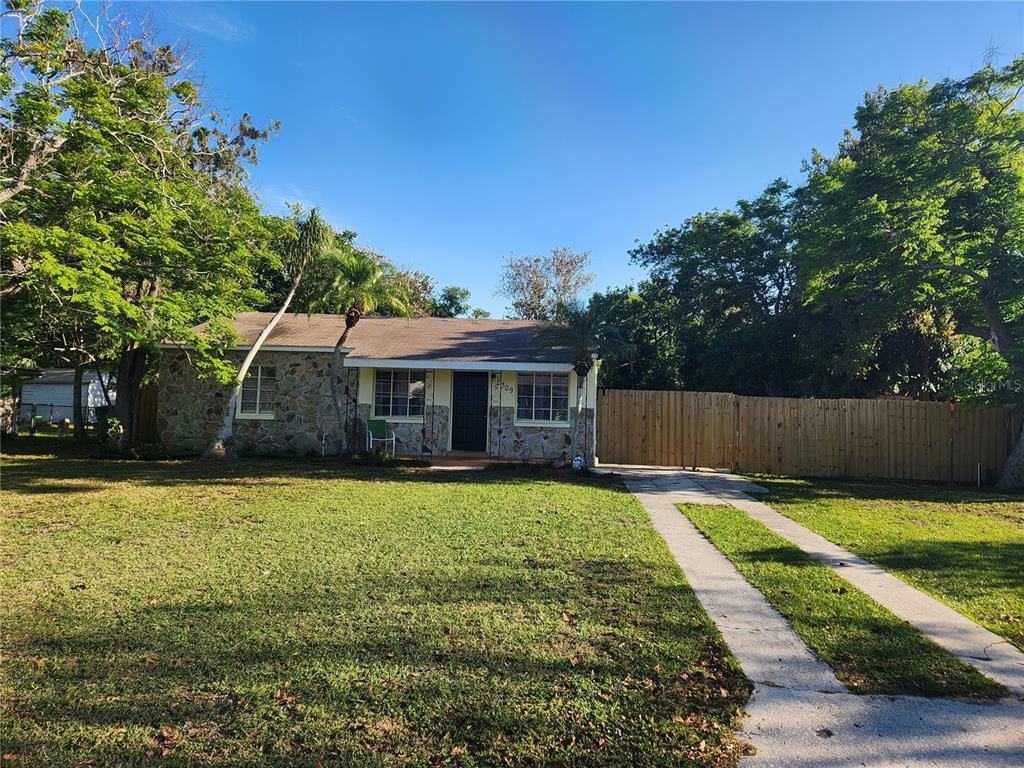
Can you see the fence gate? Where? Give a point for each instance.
(895, 439)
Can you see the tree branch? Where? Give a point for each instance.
(960, 270)
(969, 329)
(42, 148)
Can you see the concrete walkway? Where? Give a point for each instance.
(988, 652)
(799, 714)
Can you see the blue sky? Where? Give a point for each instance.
(450, 135)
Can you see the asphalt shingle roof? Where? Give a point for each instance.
(395, 338)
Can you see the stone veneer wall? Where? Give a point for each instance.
(508, 440)
(190, 409)
(8, 416)
(412, 437)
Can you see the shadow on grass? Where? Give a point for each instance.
(793, 490)
(957, 562)
(34, 467)
(360, 653)
(784, 555)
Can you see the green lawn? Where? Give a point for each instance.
(297, 613)
(962, 546)
(869, 648)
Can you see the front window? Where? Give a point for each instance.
(543, 397)
(259, 392)
(398, 393)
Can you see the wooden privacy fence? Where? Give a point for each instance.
(145, 415)
(894, 439)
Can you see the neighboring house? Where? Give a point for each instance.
(50, 395)
(443, 385)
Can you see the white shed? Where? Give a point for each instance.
(50, 394)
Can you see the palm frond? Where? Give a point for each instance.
(313, 238)
(584, 331)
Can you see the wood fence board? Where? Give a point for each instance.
(145, 415)
(890, 439)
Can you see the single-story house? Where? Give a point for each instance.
(470, 387)
(50, 395)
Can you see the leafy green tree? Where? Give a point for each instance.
(648, 320)
(123, 198)
(418, 288)
(422, 297)
(585, 332)
(725, 283)
(923, 208)
(452, 302)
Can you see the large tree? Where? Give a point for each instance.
(921, 212)
(647, 319)
(423, 297)
(537, 285)
(723, 285)
(123, 197)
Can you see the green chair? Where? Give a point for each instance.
(377, 432)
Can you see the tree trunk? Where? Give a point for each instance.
(104, 383)
(577, 440)
(1006, 345)
(223, 445)
(77, 412)
(333, 371)
(131, 369)
(1013, 472)
(1002, 338)
(582, 368)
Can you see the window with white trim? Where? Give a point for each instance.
(542, 397)
(398, 393)
(259, 392)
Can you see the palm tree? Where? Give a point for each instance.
(313, 239)
(360, 286)
(585, 332)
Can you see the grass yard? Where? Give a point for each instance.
(963, 547)
(869, 648)
(302, 614)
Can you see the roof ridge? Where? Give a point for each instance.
(524, 321)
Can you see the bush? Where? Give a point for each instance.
(378, 457)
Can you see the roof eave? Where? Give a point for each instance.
(264, 348)
(456, 365)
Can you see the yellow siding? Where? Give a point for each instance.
(443, 387)
(366, 386)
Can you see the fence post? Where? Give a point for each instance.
(735, 433)
(951, 433)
